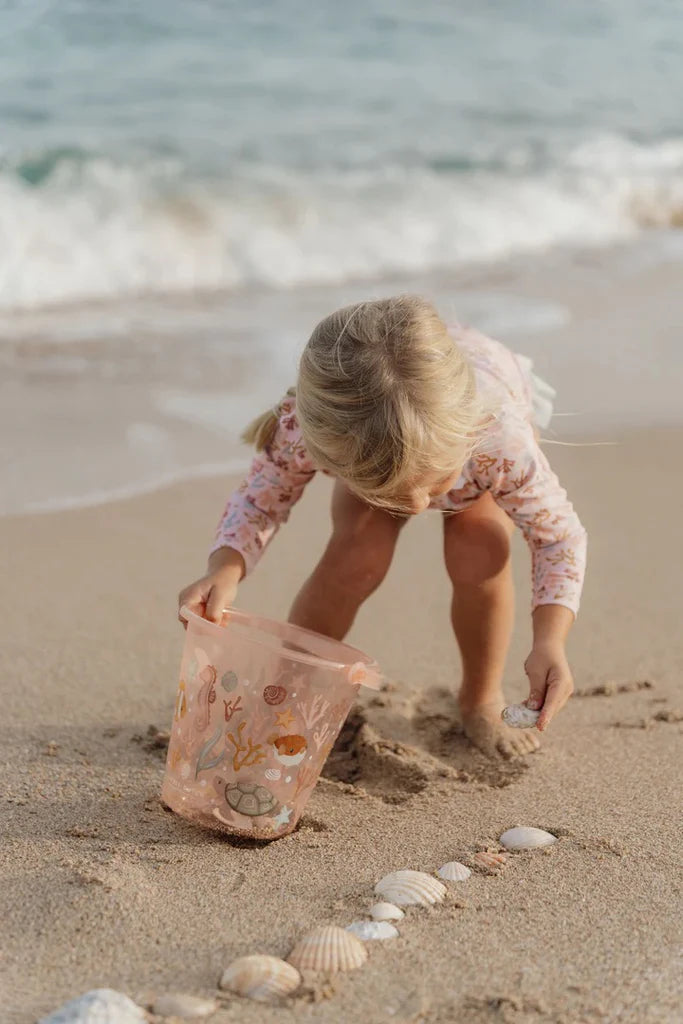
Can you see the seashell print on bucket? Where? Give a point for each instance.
(259, 706)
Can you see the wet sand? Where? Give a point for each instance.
(99, 886)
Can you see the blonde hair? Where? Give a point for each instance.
(384, 397)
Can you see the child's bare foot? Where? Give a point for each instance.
(486, 730)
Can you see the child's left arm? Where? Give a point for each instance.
(550, 678)
(523, 484)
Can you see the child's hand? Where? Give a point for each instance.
(216, 590)
(550, 681)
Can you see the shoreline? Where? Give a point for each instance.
(149, 405)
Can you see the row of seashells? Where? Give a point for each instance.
(327, 949)
(331, 949)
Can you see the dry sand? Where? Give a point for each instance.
(99, 886)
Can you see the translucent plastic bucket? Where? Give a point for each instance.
(259, 706)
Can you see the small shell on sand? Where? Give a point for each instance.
(526, 838)
(454, 871)
(490, 861)
(519, 716)
(177, 1004)
(259, 977)
(367, 930)
(386, 912)
(411, 887)
(328, 949)
(99, 1006)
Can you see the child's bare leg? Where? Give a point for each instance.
(354, 564)
(477, 552)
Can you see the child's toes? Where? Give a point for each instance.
(518, 744)
(528, 742)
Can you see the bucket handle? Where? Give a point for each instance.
(358, 674)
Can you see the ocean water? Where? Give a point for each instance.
(187, 187)
(178, 146)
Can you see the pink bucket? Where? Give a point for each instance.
(259, 706)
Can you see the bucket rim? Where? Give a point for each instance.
(363, 670)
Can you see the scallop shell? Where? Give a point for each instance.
(454, 871)
(272, 774)
(367, 930)
(386, 912)
(519, 716)
(490, 861)
(407, 887)
(328, 949)
(177, 1004)
(526, 838)
(263, 978)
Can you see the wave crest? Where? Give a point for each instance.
(77, 227)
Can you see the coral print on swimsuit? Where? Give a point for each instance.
(251, 731)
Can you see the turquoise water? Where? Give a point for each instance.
(175, 146)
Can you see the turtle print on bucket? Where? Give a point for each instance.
(249, 798)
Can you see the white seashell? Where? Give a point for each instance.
(367, 930)
(526, 838)
(177, 1004)
(263, 978)
(328, 949)
(407, 887)
(100, 1006)
(386, 912)
(454, 871)
(490, 861)
(519, 716)
(273, 774)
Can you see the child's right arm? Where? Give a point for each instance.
(216, 590)
(255, 511)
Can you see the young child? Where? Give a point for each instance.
(410, 415)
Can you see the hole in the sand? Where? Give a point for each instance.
(385, 769)
(312, 825)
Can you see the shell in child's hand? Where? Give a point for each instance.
(519, 716)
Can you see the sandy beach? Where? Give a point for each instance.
(100, 886)
(186, 189)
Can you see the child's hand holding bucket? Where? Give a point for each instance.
(216, 590)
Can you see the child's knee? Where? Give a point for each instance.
(355, 565)
(476, 552)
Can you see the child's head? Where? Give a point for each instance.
(387, 402)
